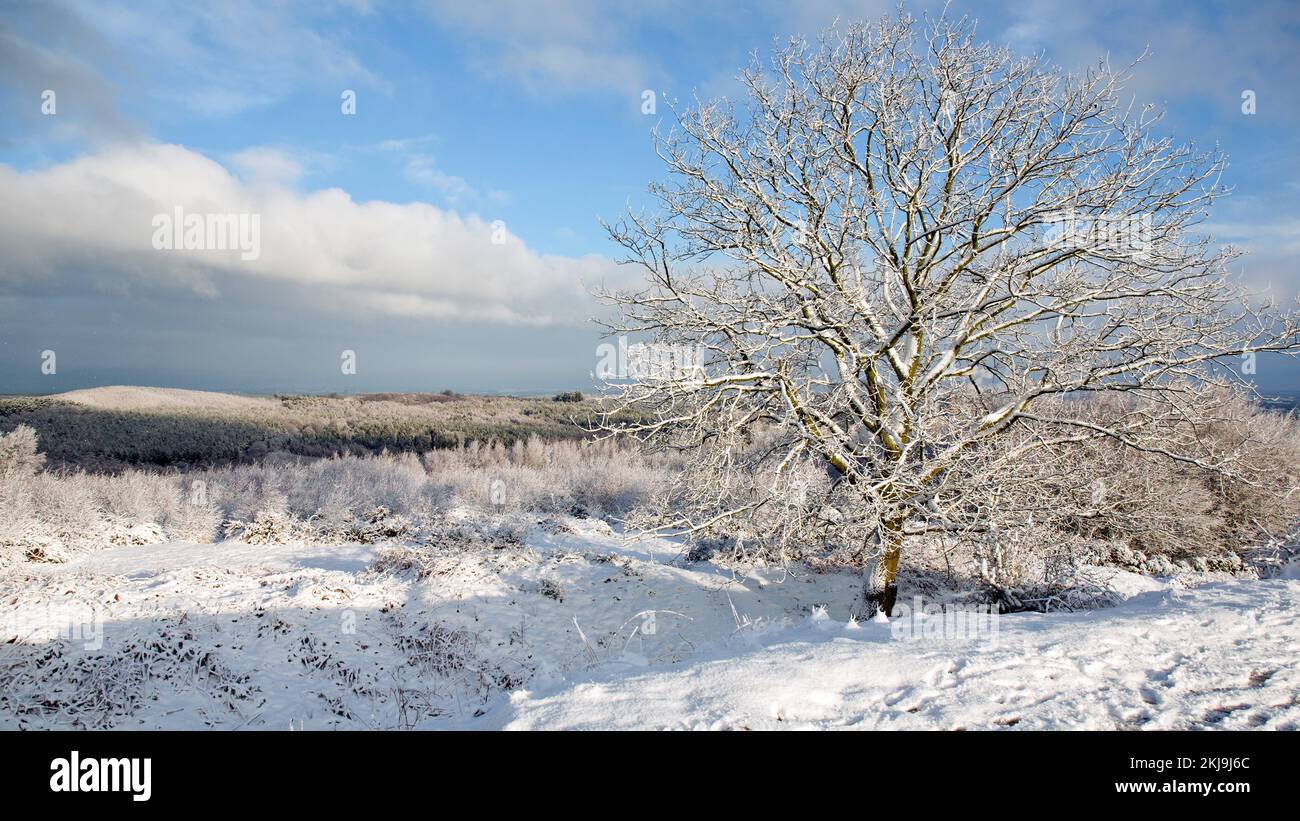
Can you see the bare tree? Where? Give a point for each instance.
(905, 260)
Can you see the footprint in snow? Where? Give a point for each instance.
(944, 675)
(1151, 696)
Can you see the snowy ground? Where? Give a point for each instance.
(577, 627)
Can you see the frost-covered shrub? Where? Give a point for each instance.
(551, 589)
(590, 478)
(421, 563)
(51, 514)
(138, 534)
(18, 452)
(1177, 510)
(335, 491)
(245, 492)
(346, 498)
(1037, 570)
(267, 528)
(377, 525)
(48, 550)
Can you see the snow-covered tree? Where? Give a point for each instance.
(907, 257)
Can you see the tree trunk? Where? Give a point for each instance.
(880, 587)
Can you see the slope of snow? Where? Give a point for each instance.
(578, 627)
(1220, 656)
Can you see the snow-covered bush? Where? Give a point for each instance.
(267, 527)
(18, 452)
(588, 478)
(49, 515)
(377, 525)
(126, 535)
(1170, 510)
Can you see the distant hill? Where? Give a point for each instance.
(128, 397)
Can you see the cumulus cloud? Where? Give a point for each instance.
(89, 223)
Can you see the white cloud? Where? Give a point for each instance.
(264, 164)
(561, 46)
(217, 59)
(1194, 52)
(88, 223)
(455, 191)
(422, 168)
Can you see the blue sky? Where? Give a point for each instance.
(377, 225)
